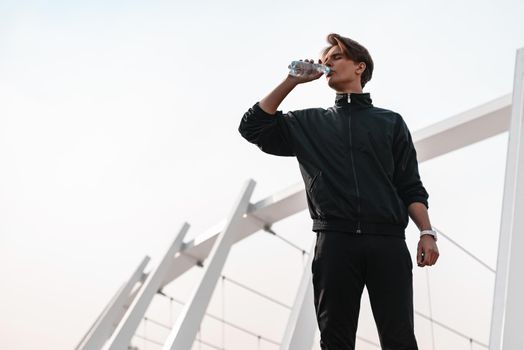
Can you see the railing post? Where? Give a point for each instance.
(508, 300)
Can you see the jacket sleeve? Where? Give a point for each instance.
(270, 132)
(406, 176)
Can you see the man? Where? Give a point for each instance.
(361, 178)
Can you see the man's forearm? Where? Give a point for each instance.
(271, 102)
(419, 214)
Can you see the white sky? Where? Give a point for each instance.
(118, 122)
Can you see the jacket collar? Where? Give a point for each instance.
(353, 99)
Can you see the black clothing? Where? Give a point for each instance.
(360, 172)
(342, 265)
(357, 161)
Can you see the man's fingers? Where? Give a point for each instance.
(431, 257)
(419, 254)
(427, 258)
(422, 261)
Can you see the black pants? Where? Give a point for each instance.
(342, 265)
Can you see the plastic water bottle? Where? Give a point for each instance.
(301, 68)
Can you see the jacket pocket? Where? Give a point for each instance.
(311, 183)
(322, 198)
(316, 204)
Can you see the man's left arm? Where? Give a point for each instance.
(410, 189)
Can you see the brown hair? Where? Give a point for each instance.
(354, 51)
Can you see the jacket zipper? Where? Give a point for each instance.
(354, 174)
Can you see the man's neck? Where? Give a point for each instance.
(350, 89)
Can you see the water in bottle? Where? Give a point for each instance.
(301, 68)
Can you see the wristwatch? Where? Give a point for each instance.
(431, 232)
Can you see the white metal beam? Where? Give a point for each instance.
(127, 328)
(302, 322)
(113, 312)
(464, 129)
(188, 322)
(507, 330)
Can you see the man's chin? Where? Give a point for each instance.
(333, 84)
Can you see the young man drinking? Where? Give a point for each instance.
(362, 184)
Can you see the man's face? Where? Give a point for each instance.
(345, 72)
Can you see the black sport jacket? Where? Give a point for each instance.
(357, 161)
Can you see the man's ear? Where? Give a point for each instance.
(361, 67)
